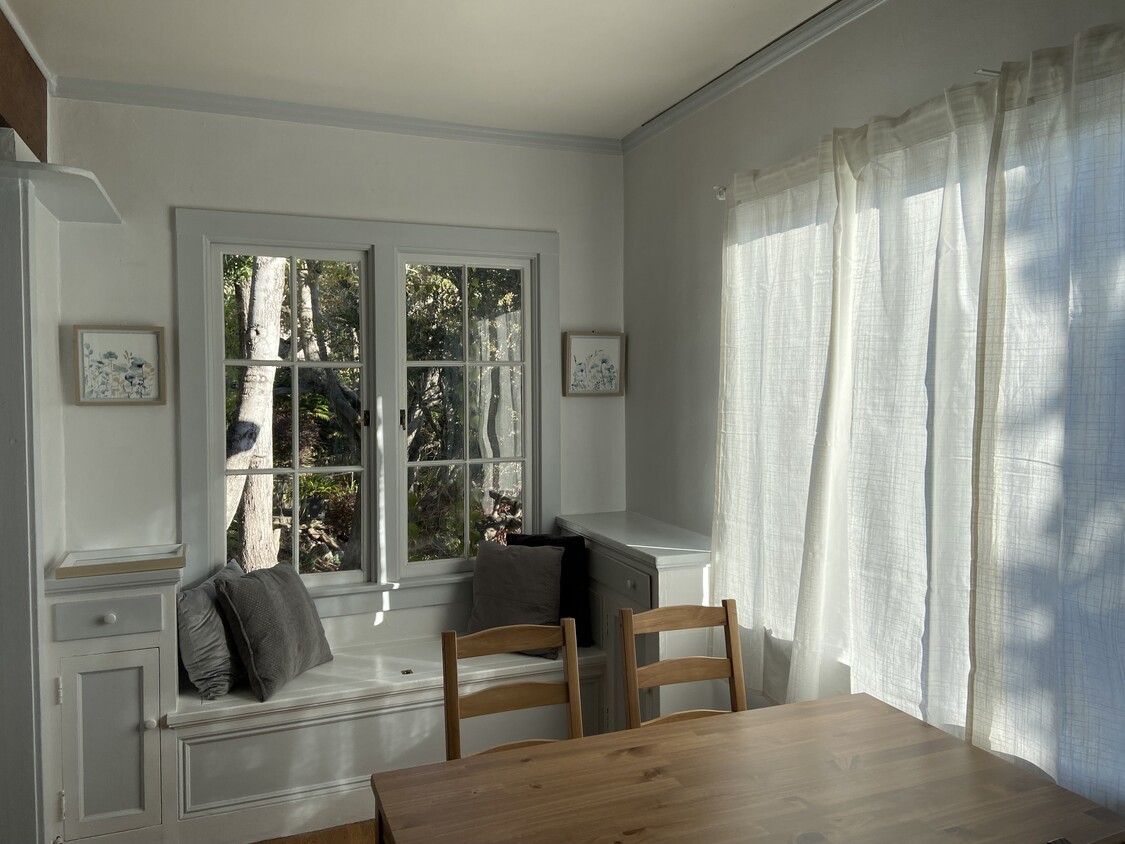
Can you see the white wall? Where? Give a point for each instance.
(120, 464)
(895, 56)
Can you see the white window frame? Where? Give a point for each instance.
(386, 246)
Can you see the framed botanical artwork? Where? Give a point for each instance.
(593, 363)
(119, 364)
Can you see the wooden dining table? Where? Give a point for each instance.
(845, 769)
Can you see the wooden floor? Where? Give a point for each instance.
(356, 833)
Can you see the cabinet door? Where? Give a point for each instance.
(111, 744)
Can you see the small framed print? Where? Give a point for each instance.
(119, 364)
(593, 363)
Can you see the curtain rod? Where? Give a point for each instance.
(721, 190)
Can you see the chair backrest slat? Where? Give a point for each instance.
(511, 639)
(685, 669)
(678, 617)
(509, 696)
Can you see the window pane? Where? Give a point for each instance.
(435, 499)
(255, 307)
(495, 501)
(259, 429)
(433, 313)
(329, 409)
(330, 529)
(435, 413)
(327, 310)
(259, 535)
(495, 411)
(495, 314)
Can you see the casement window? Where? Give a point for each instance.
(465, 410)
(293, 373)
(362, 400)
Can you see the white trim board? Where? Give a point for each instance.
(21, 773)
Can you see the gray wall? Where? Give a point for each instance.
(897, 55)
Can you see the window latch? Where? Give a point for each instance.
(402, 419)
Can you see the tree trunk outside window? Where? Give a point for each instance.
(250, 435)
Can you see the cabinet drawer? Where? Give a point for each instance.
(107, 617)
(620, 577)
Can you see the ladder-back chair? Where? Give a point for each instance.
(507, 696)
(681, 669)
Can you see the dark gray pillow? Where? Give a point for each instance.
(206, 650)
(516, 585)
(275, 626)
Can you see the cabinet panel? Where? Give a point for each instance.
(111, 748)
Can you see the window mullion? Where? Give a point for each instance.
(467, 474)
(294, 420)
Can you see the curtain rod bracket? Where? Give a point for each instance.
(720, 192)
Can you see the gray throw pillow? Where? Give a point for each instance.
(206, 650)
(275, 627)
(516, 585)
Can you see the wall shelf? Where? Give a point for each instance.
(120, 561)
(71, 194)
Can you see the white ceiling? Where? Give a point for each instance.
(597, 68)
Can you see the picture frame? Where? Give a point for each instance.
(119, 365)
(593, 363)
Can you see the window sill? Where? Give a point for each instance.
(355, 598)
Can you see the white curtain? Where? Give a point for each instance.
(921, 468)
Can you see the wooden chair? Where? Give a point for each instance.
(683, 669)
(508, 696)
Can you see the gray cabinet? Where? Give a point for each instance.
(641, 563)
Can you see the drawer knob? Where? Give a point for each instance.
(109, 618)
(150, 723)
(632, 584)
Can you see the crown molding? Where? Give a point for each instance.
(154, 96)
(788, 45)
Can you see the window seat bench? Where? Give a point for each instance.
(394, 674)
(249, 770)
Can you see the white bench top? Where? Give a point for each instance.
(405, 671)
(644, 539)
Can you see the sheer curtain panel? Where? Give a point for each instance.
(921, 468)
